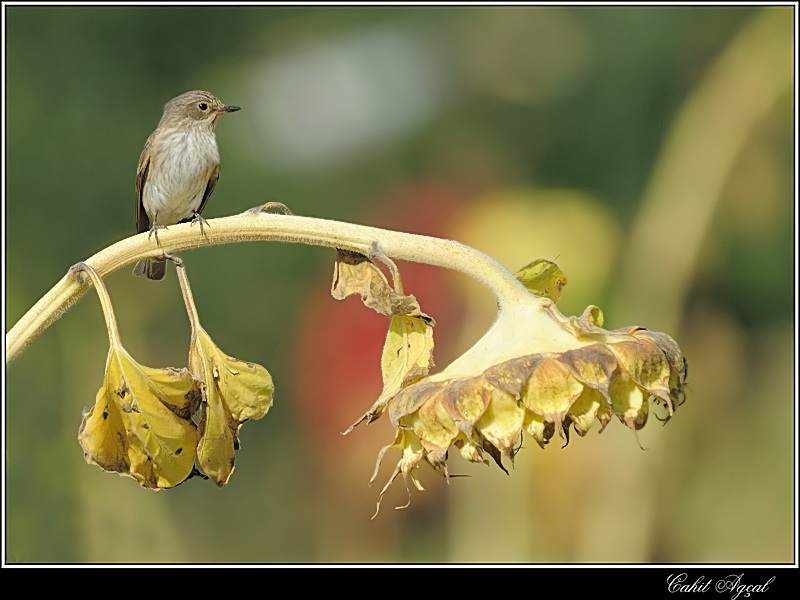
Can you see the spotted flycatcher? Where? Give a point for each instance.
(178, 169)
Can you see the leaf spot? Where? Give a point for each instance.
(122, 390)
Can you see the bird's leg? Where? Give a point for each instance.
(174, 258)
(196, 218)
(154, 229)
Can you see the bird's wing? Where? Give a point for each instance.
(142, 220)
(212, 181)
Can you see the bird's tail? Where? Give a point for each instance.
(155, 268)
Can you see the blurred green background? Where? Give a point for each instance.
(649, 149)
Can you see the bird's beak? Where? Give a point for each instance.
(230, 108)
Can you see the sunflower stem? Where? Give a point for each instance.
(260, 226)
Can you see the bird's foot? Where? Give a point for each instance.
(174, 258)
(154, 232)
(198, 219)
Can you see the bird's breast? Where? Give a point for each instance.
(181, 163)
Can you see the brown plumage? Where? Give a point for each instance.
(178, 169)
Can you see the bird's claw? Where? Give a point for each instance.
(198, 219)
(154, 232)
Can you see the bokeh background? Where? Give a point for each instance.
(649, 150)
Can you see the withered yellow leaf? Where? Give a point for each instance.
(408, 350)
(407, 353)
(355, 273)
(141, 423)
(543, 278)
(407, 357)
(234, 392)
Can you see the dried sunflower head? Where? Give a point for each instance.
(535, 372)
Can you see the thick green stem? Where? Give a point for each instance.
(253, 226)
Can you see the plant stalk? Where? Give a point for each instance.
(260, 226)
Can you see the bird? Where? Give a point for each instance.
(178, 169)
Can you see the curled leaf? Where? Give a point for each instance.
(543, 277)
(408, 350)
(355, 273)
(234, 391)
(140, 423)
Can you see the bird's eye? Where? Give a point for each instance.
(202, 106)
